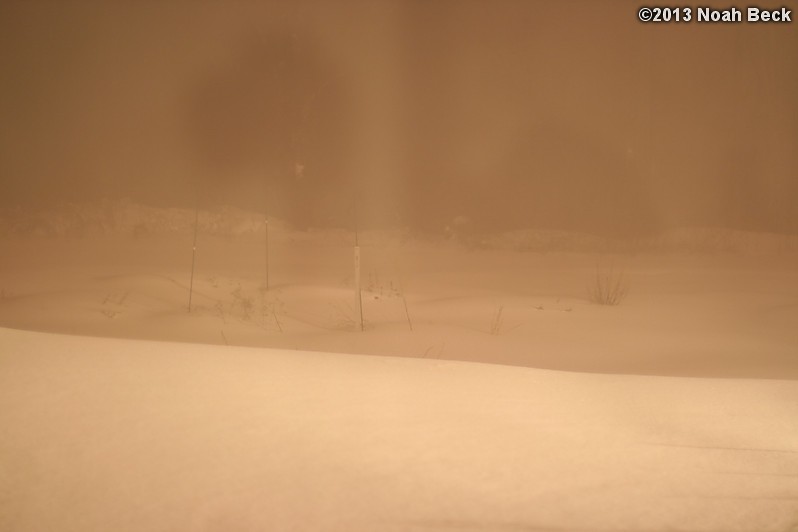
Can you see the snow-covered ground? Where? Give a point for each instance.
(108, 434)
(699, 303)
(498, 396)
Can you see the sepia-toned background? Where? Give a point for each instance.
(511, 114)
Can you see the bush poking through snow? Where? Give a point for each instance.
(609, 287)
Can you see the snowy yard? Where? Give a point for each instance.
(675, 410)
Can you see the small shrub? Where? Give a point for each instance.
(609, 287)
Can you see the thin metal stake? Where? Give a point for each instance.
(267, 253)
(358, 295)
(193, 258)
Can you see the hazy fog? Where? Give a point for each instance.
(569, 115)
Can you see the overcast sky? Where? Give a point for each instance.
(570, 115)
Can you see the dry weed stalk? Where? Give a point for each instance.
(609, 287)
(496, 325)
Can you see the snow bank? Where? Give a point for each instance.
(78, 220)
(131, 219)
(102, 434)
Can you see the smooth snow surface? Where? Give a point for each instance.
(123, 435)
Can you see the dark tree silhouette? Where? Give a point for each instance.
(272, 120)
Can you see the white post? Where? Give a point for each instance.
(193, 257)
(267, 253)
(358, 298)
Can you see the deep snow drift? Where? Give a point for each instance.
(106, 434)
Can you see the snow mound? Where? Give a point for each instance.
(102, 434)
(108, 218)
(127, 218)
